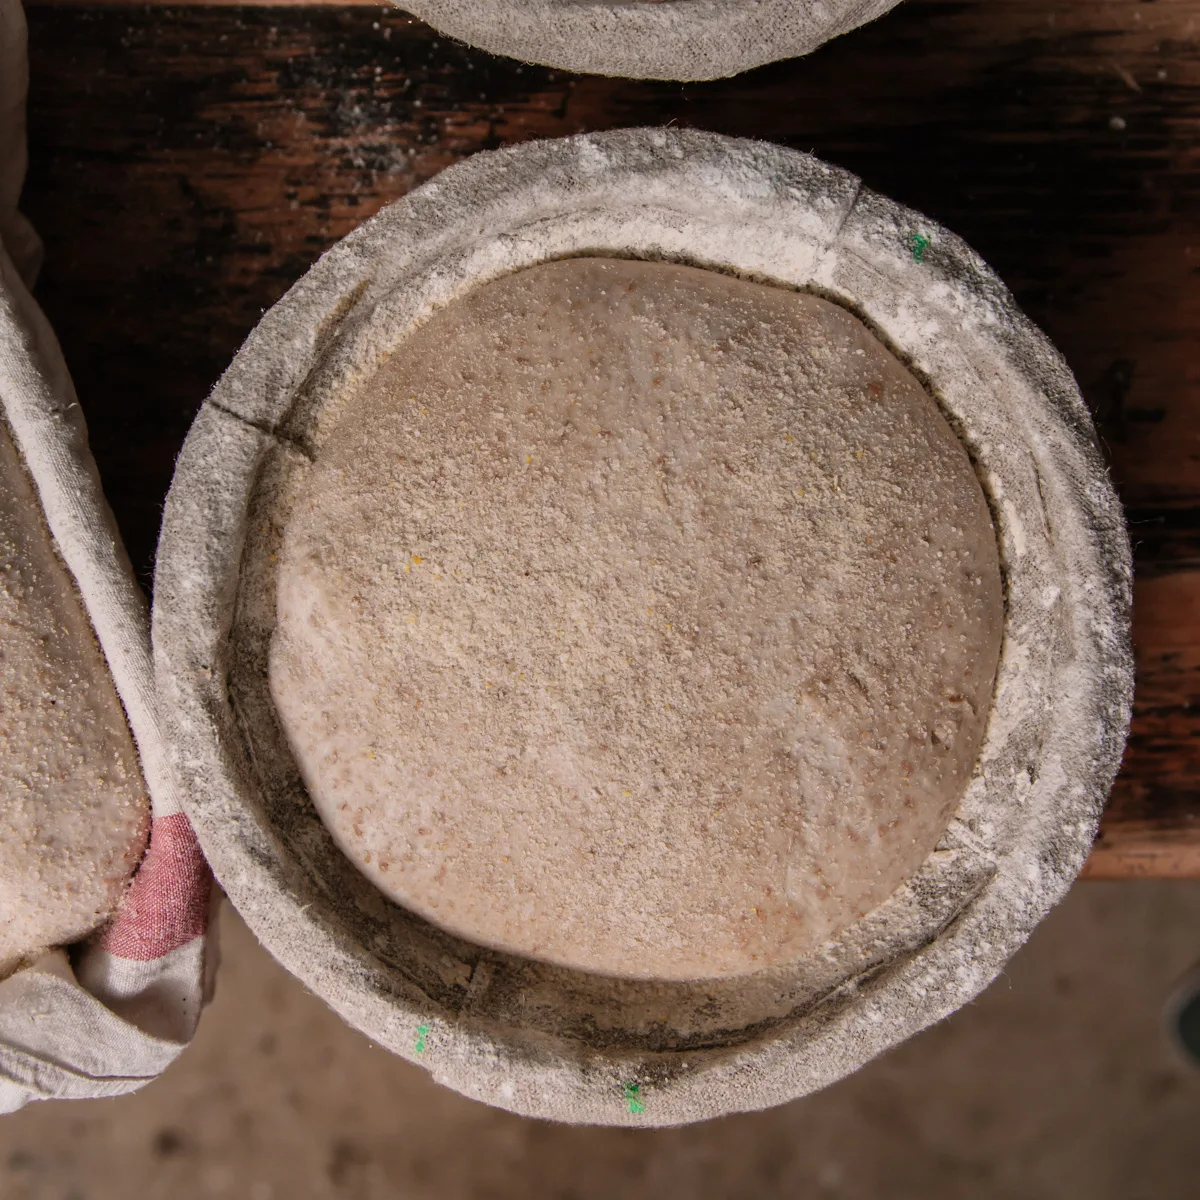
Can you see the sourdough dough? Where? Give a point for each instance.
(638, 618)
(73, 808)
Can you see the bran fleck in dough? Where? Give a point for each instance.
(640, 619)
(74, 813)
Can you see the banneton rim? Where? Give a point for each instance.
(549, 1041)
(649, 39)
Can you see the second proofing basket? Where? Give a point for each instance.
(649, 39)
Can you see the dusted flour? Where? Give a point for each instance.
(638, 618)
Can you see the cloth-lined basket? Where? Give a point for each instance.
(548, 1041)
(649, 39)
(112, 1014)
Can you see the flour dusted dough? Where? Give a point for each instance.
(640, 619)
(73, 809)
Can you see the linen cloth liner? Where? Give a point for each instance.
(648, 39)
(119, 1009)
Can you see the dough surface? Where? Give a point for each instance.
(640, 619)
(74, 813)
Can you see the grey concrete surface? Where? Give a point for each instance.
(1056, 1083)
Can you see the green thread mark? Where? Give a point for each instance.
(633, 1098)
(920, 243)
(422, 1034)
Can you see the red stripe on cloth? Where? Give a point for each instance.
(167, 904)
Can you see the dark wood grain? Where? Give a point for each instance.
(189, 163)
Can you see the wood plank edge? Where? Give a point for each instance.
(1157, 855)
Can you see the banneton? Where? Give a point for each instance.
(649, 39)
(489, 995)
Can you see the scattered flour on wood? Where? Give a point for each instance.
(639, 619)
(73, 809)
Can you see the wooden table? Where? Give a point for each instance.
(188, 164)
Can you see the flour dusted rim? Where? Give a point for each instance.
(649, 39)
(548, 1041)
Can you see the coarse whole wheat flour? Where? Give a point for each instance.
(640, 619)
(74, 812)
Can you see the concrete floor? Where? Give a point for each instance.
(1056, 1083)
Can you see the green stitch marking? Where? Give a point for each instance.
(919, 245)
(633, 1098)
(422, 1034)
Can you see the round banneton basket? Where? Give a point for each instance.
(649, 39)
(546, 1040)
